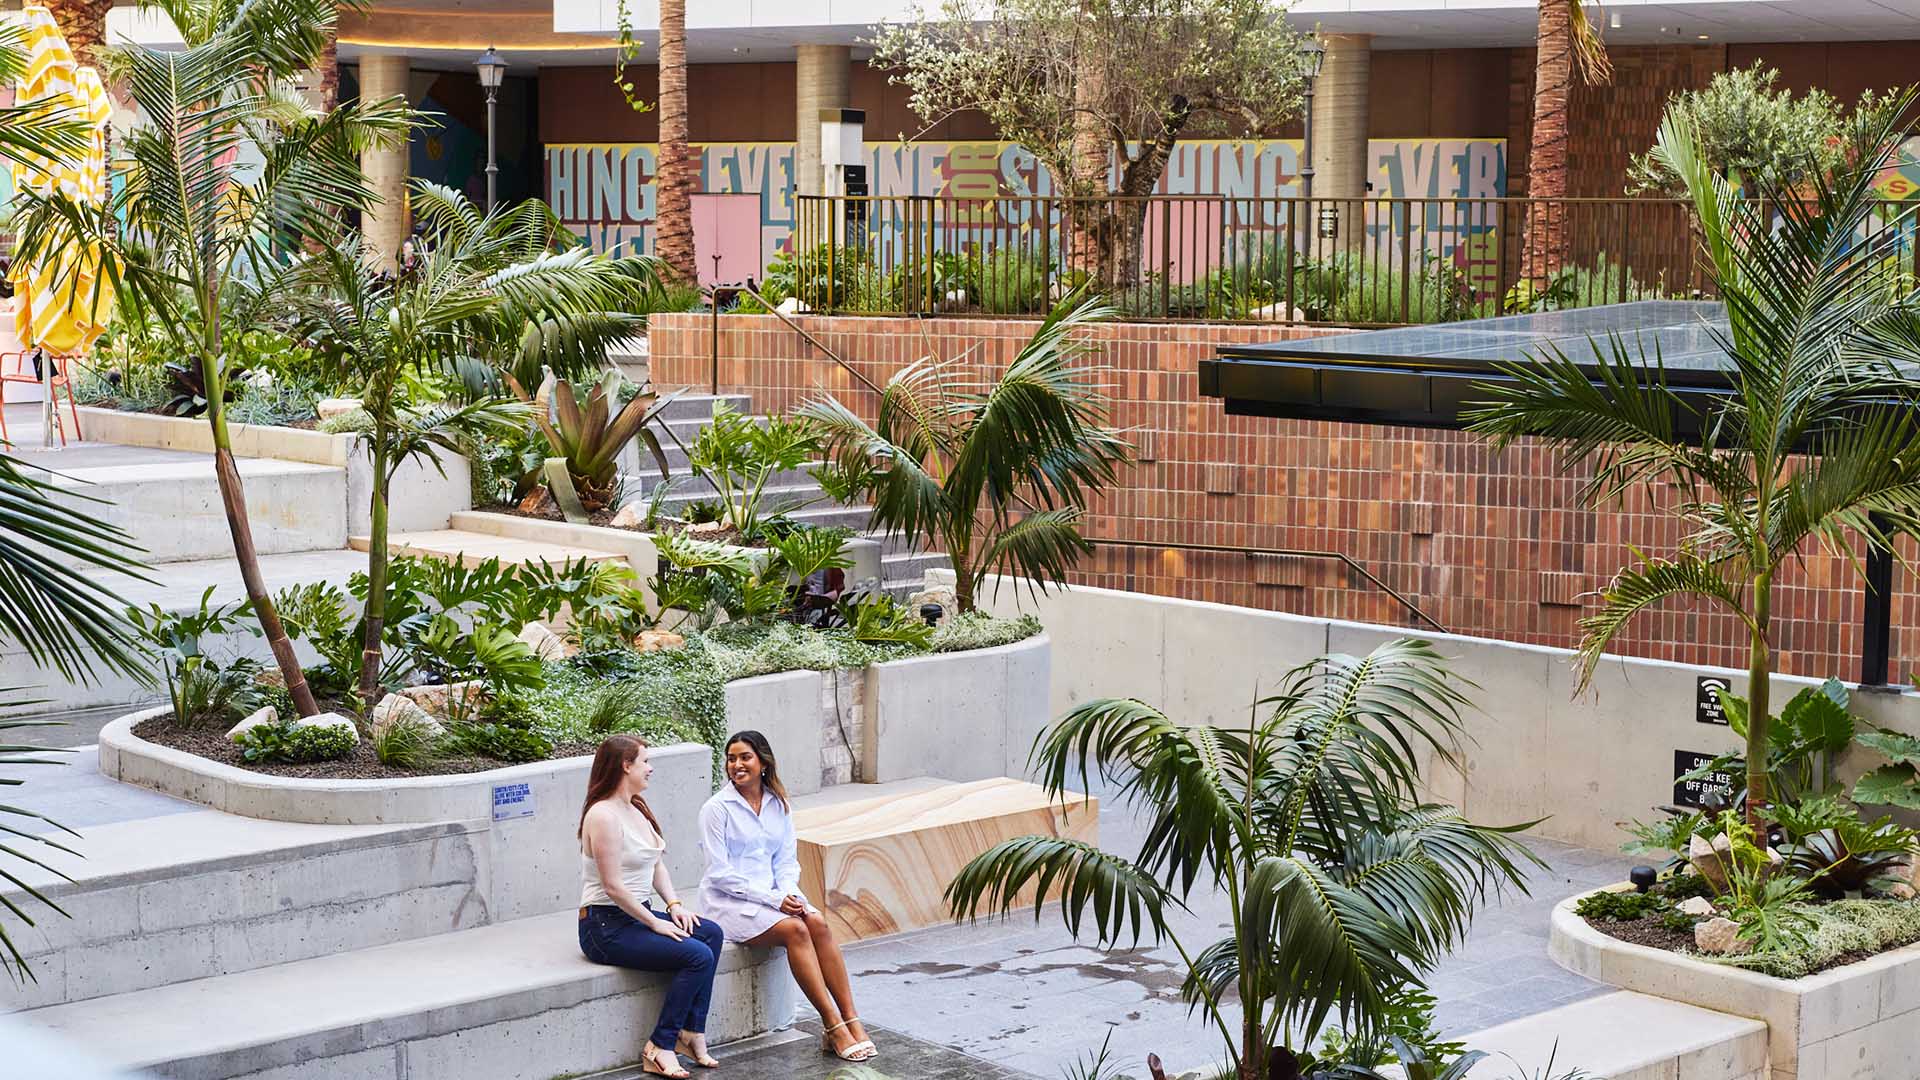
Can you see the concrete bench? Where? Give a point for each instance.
(1625, 1036)
(512, 1001)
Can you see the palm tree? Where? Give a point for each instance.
(1568, 44)
(84, 24)
(200, 213)
(65, 618)
(483, 279)
(678, 175)
(1816, 443)
(996, 474)
(1342, 885)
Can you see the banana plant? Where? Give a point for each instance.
(586, 440)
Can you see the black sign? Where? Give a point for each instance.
(1694, 793)
(1329, 219)
(1706, 701)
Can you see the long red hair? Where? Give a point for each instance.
(609, 767)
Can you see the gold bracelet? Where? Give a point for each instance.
(675, 904)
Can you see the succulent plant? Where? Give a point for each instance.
(589, 435)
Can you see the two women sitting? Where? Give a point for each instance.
(750, 895)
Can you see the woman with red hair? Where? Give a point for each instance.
(622, 873)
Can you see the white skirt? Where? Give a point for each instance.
(742, 920)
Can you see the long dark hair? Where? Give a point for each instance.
(769, 771)
(609, 765)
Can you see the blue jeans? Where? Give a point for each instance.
(609, 935)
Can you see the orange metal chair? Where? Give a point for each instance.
(16, 367)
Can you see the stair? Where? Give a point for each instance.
(169, 500)
(903, 563)
(511, 1001)
(473, 548)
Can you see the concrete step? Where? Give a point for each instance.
(169, 501)
(1629, 1036)
(178, 586)
(912, 567)
(689, 486)
(700, 407)
(194, 895)
(511, 1001)
(474, 548)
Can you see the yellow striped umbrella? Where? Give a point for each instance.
(63, 303)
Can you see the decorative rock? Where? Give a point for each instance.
(538, 501)
(791, 306)
(936, 587)
(1697, 905)
(706, 530)
(1900, 890)
(397, 709)
(435, 698)
(331, 719)
(327, 408)
(545, 644)
(266, 715)
(1277, 312)
(1710, 860)
(656, 640)
(628, 517)
(1720, 936)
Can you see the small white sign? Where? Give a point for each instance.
(512, 801)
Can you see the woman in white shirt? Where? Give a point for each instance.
(621, 870)
(752, 889)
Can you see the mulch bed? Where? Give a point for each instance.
(1646, 932)
(210, 741)
(309, 424)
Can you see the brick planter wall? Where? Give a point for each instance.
(1494, 544)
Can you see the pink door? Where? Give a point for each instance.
(726, 226)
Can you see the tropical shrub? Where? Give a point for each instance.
(740, 455)
(587, 439)
(200, 686)
(1012, 281)
(994, 473)
(1349, 886)
(284, 742)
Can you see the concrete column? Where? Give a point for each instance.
(385, 222)
(1340, 117)
(820, 76)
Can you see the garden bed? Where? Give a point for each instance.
(211, 742)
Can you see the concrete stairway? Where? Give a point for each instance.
(903, 564)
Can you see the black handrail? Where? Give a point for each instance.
(1222, 549)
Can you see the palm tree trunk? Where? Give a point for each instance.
(376, 613)
(675, 183)
(1759, 719)
(1545, 247)
(233, 498)
(84, 24)
(327, 71)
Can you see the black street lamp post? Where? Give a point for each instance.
(492, 71)
(1311, 54)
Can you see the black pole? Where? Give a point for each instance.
(1876, 623)
(493, 170)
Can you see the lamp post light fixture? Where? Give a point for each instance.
(1312, 55)
(493, 71)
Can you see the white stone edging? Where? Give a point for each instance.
(1858, 1020)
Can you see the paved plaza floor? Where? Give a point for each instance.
(1021, 995)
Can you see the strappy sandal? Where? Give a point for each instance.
(860, 1051)
(653, 1067)
(705, 1061)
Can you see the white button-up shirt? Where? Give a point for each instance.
(751, 862)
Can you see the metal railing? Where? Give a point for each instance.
(1353, 262)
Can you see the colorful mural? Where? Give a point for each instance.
(605, 191)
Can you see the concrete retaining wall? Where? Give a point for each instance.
(420, 499)
(534, 869)
(1857, 1022)
(1582, 763)
(958, 716)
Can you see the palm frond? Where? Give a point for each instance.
(1123, 899)
(1635, 589)
(1430, 867)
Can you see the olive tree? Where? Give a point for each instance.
(1096, 84)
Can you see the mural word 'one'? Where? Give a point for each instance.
(605, 192)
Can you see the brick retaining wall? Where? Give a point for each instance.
(1490, 544)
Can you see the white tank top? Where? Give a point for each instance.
(640, 849)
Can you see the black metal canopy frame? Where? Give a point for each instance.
(1425, 376)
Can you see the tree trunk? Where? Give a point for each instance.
(84, 24)
(677, 177)
(1086, 185)
(327, 70)
(376, 613)
(1545, 249)
(233, 498)
(1759, 719)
